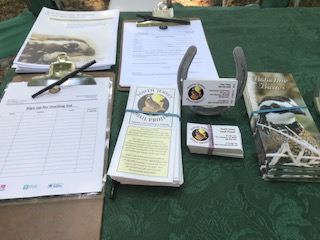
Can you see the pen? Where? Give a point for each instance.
(114, 186)
(171, 20)
(65, 78)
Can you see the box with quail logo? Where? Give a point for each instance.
(286, 136)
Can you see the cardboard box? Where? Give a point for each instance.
(74, 217)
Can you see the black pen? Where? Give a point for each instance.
(65, 78)
(114, 186)
(170, 20)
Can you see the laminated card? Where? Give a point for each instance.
(148, 149)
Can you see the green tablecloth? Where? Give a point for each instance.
(13, 33)
(225, 198)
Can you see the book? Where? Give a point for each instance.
(286, 136)
(148, 148)
(84, 36)
(218, 140)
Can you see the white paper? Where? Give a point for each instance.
(53, 144)
(148, 149)
(209, 92)
(84, 36)
(218, 140)
(152, 56)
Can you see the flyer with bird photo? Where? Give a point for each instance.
(83, 36)
(286, 136)
(148, 149)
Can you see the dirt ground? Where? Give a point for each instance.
(12, 8)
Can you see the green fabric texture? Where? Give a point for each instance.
(225, 198)
(13, 33)
(35, 6)
(274, 3)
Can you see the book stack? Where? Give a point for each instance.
(286, 137)
(218, 140)
(148, 148)
(83, 36)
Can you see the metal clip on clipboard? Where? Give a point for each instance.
(162, 16)
(59, 72)
(241, 76)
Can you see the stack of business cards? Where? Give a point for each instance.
(219, 140)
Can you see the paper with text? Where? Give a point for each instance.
(148, 149)
(152, 56)
(209, 92)
(53, 144)
(84, 36)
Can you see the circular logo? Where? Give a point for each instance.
(153, 103)
(200, 134)
(195, 93)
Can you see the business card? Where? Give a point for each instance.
(209, 92)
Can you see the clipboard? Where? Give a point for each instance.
(110, 75)
(45, 215)
(126, 88)
(119, 87)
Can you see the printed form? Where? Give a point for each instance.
(53, 144)
(152, 56)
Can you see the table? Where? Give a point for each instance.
(225, 198)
